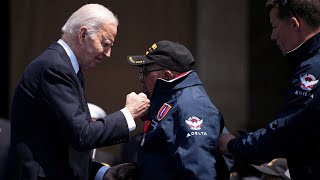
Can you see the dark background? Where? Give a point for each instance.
(5, 60)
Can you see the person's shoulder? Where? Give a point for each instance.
(53, 58)
(310, 66)
(196, 95)
(196, 101)
(46, 59)
(313, 60)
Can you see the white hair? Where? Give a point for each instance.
(91, 16)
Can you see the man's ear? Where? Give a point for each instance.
(295, 22)
(82, 33)
(168, 75)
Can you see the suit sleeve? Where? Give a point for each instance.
(192, 140)
(64, 95)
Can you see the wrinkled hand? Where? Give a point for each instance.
(124, 171)
(223, 142)
(137, 104)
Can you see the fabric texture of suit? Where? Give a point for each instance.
(52, 131)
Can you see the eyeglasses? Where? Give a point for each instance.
(144, 72)
(285, 4)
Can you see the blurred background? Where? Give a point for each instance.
(243, 72)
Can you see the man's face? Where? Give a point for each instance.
(283, 32)
(97, 47)
(148, 75)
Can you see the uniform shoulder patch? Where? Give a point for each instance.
(163, 111)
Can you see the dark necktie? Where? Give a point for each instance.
(81, 78)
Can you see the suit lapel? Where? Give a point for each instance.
(66, 60)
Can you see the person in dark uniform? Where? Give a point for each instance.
(295, 133)
(182, 127)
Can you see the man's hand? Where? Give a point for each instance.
(137, 104)
(223, 142)
(125, 171)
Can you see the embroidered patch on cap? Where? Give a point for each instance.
(307, 82)
(194, 123)
(163, 111)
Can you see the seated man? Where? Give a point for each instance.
(182, 126)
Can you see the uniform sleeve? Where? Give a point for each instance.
(64, 95)
(294, 128)
(192, 140)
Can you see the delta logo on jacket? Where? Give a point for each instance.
(195, 124)
(307, 83)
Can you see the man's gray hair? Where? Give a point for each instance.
(91, 16)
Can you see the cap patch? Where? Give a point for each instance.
(136, 61)
(163, 111)
(153, 47)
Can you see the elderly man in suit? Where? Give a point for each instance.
(52, 132)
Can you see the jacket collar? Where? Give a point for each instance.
(305, 51)
(187, 79)
(58, 47)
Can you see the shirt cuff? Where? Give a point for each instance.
(101, 172)
(129, 118)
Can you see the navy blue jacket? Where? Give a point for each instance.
(295, 133)
(52, 133)
(181, 139)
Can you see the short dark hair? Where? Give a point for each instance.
(308, 10)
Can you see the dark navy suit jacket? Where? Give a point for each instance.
(52, 133)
